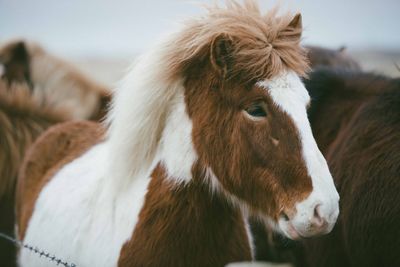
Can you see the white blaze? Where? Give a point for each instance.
(289, 93)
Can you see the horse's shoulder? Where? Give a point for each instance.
(56, 147)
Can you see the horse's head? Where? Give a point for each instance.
(248, 105)
(222, 101)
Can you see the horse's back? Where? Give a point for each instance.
(366, 165)
(56, 147)
(371, 181)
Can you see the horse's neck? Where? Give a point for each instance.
(186, 224)
(332, 115)
(338, 96)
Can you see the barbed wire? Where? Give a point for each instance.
(39, 252)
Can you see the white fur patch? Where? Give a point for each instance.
(78, 218)
(177, 152)
(249, 234)
(148, 121)
(289, 93)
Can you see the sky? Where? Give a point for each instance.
(117, 28)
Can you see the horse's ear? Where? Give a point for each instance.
(296, 22)
(15, 58)
(342, 49)
(20, 52)
(221, 54)
(294, 28)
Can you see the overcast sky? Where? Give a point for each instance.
(126, 27)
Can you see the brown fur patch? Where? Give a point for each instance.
(185, 226)
(58, 146)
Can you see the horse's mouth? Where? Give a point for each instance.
(288, 229)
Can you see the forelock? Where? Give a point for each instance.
(263, 46)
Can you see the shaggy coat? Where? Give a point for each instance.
(356, 122)
(207, 127)
(22, 119)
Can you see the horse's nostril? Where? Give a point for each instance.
(317, 219)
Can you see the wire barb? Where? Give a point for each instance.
(36, 250)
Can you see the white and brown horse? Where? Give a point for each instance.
(208, 127)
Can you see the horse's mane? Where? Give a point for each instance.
(22, 119)
(262, 46)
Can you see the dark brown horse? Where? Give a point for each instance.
(356, 122)
(336, 58)
(355, 119)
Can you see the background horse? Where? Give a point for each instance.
(55, 81)
(208, 127)
(356, 122)
(335, 58)
(36, 90)
(22, 119)
(355, 118)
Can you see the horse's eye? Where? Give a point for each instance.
(257, 110)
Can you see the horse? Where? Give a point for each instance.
(208, 127)
(22, 119)
(355, 118)
(53, 79)
(361, 143)
(335, 58)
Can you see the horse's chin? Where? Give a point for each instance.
(288, 230)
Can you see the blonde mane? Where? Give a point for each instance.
(264, 45)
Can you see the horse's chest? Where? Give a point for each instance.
(76, 221)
